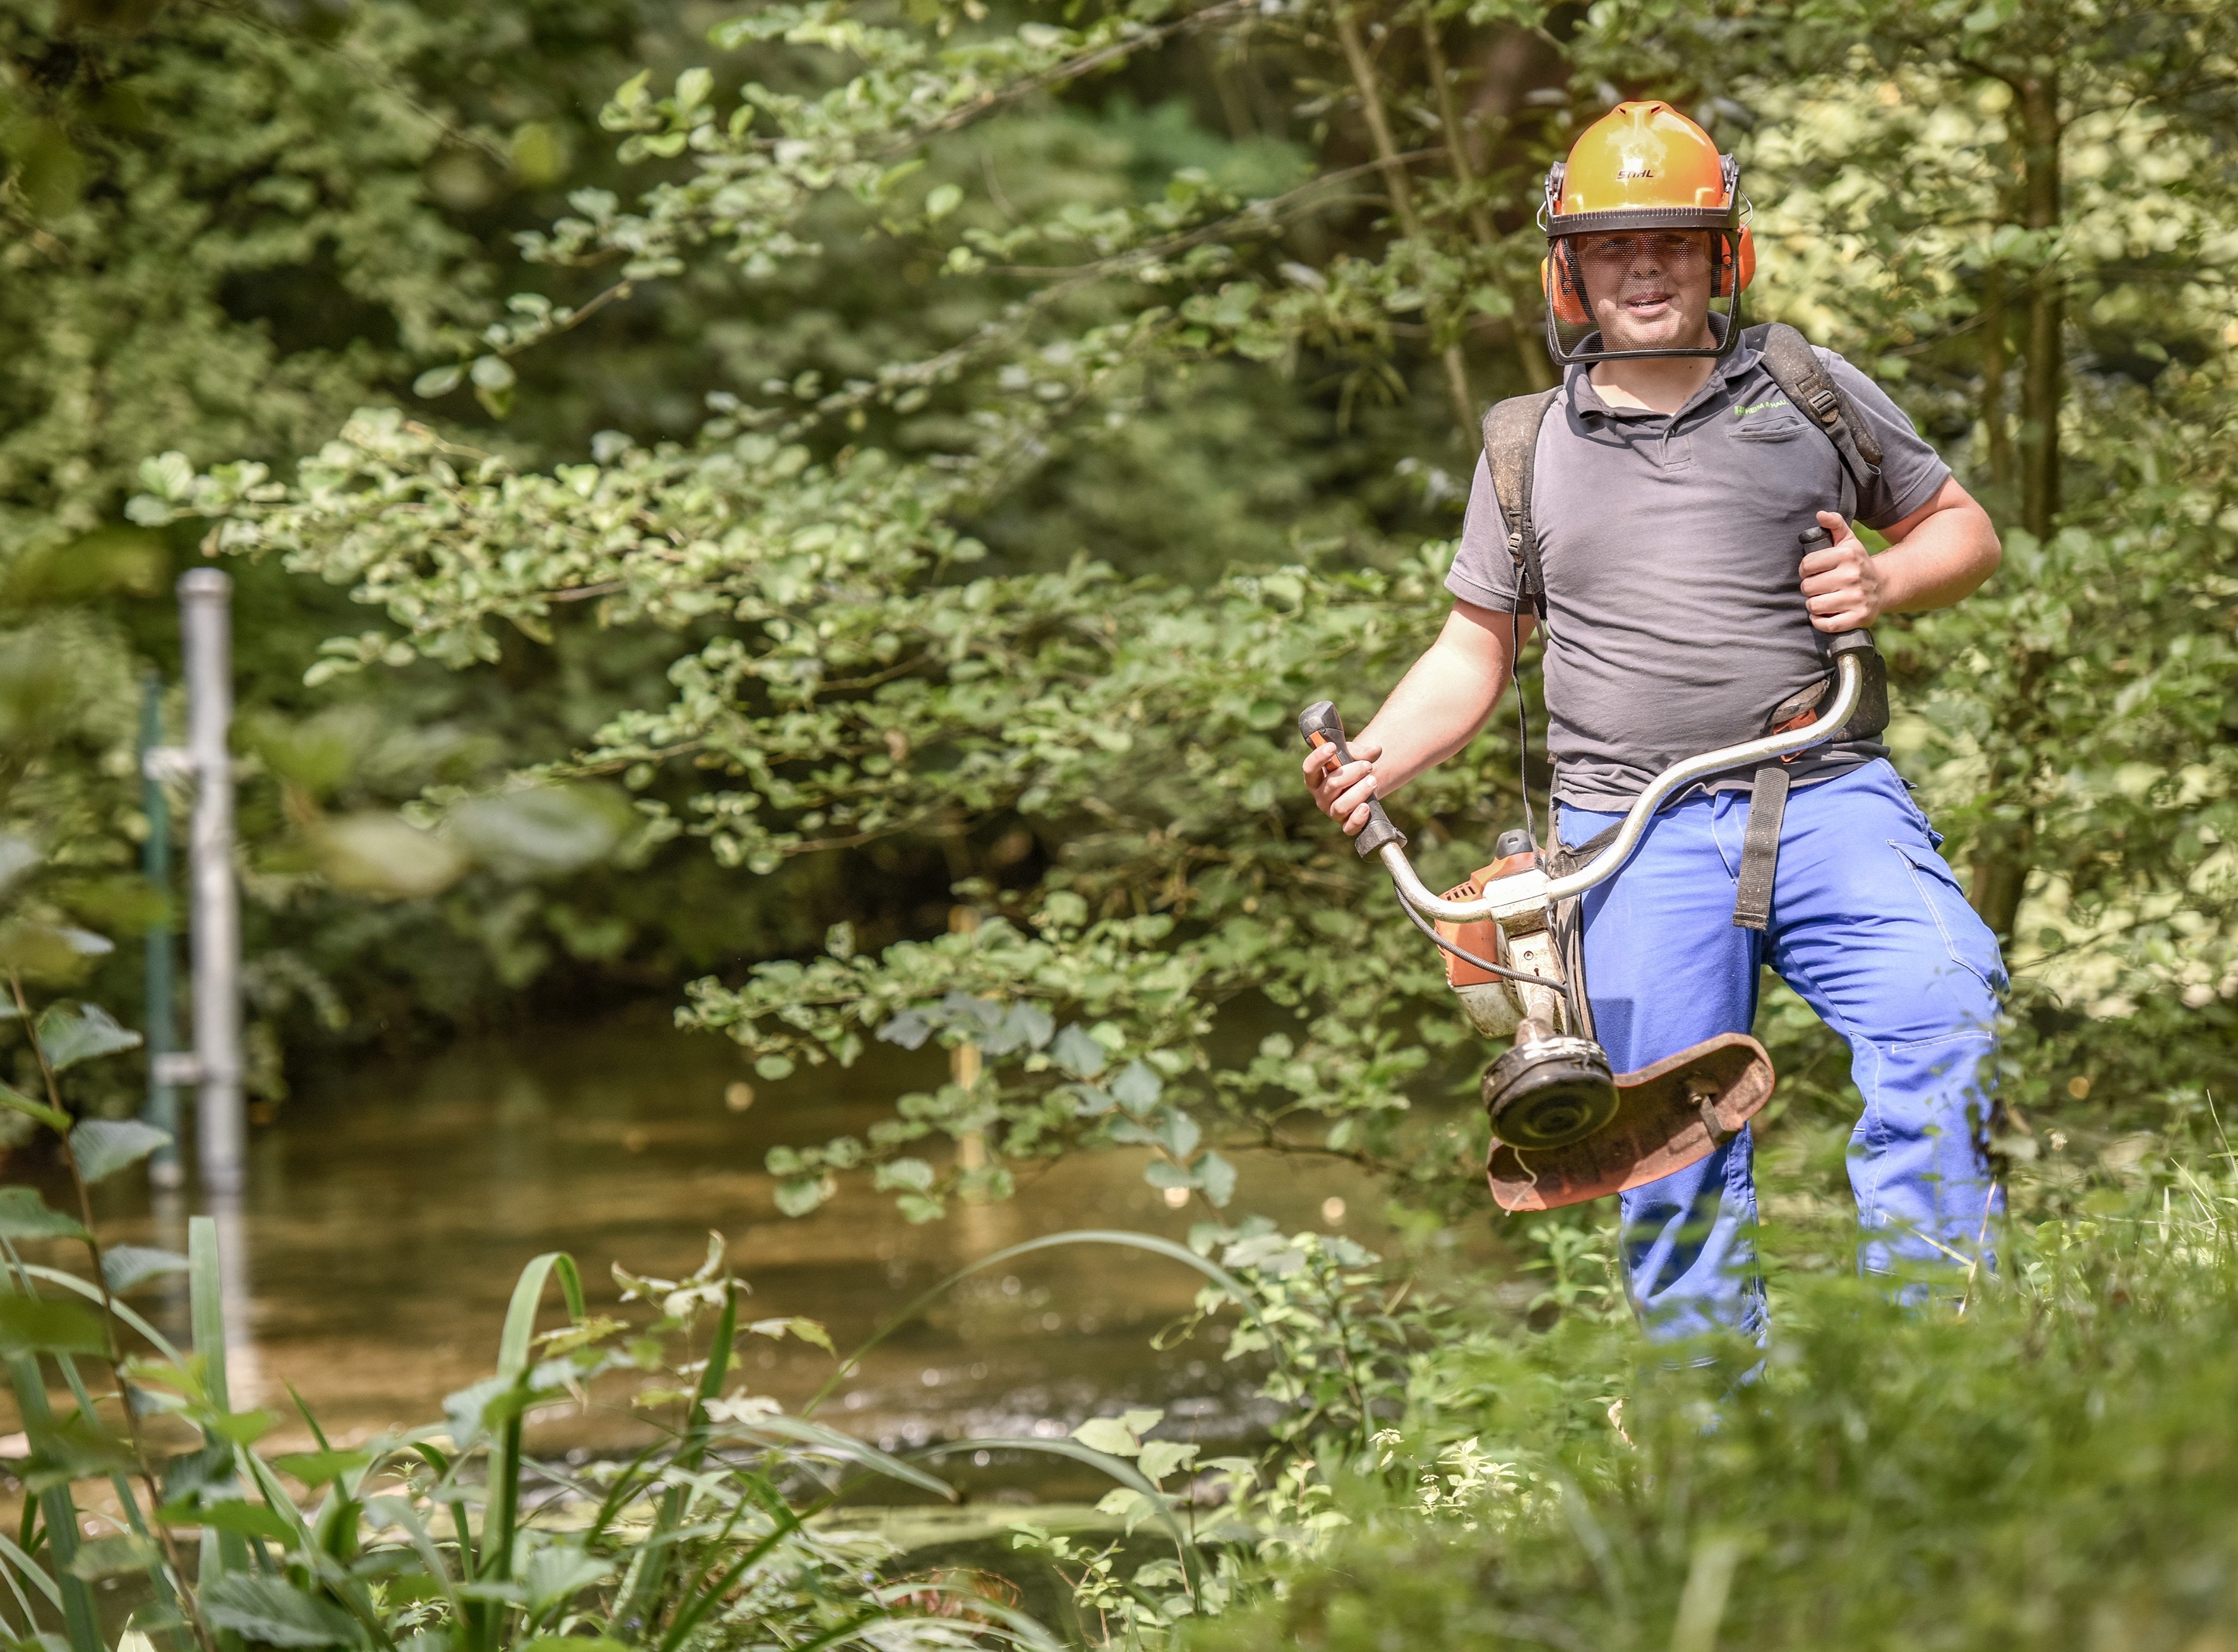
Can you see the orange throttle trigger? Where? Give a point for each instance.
(1322, 726)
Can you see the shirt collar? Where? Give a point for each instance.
(1586, 400)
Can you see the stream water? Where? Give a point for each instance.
(390, 1208)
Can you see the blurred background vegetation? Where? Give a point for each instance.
(714, 491)
(234, 225)
(230, 225)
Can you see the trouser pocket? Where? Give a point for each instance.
(1965, 937)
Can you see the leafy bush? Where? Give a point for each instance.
(1103, 758)
(2044, 1461)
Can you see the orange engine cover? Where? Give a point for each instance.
(1481, 937)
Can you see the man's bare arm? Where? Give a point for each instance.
(1436, 709)
(1937, 555)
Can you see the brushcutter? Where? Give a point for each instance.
(1565, 1128)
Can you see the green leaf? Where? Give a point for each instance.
(242, 1428)
(1217, 1177)
(1137, 1088)
(943, 199)
(126, 1266)
(559, 1572)
(316, 1468)
(909, 1029)
(801, 1194)
(492, 373)
(50, 952)
(379, 852)
(1120, 1436)
(906, 1174)
(24, 1215)
(71, 1033)
(17, 856)
(113, 1557)
(274, 1612)
(234, 1515)
(547, 831)
(438, 381)
(75, 1449)
(812, 1330)
(1078, 1054)
(103, 1146)
(29, 1325)
(1161, 1457)
(16, 1101)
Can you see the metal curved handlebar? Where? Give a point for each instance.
(1848, 684)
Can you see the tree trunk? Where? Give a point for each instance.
(2038, 101)
(1528, 356)
(1994, 345)
(1402, 200)
(2005, 854)
(2002, 859)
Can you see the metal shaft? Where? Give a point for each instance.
(1849, 677)
(206, 623)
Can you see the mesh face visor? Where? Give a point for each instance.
(1731, 256)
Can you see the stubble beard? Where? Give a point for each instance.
(1683, 325)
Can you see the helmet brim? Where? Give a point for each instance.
(1615, 218)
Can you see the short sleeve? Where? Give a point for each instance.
(1911, 472)
(1484, 570)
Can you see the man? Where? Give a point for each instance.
(1668, 494)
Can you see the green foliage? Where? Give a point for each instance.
(852, 673)
(223, 230)
(932, 464)
(447, 1535)
(2037, 1464)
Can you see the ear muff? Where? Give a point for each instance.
(1563, 284)
(1743, 264)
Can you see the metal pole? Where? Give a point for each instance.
(206, 624)
(162, 1108)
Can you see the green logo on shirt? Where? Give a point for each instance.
(1742, 412)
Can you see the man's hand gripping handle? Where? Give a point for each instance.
(1322, 726)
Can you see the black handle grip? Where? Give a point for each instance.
(1322, 726)
(1837, 643)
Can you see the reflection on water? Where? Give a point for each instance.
(388, 1214)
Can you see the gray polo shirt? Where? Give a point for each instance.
(1676, 619)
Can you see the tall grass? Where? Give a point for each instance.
(448, 1537)
(2046, 1459)
(2044, 1456)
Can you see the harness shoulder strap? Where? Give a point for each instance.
(1795, 368)
(1569, 925)
(1511, 452)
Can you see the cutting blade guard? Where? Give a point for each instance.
(1670, 1114)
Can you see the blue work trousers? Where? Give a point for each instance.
(1869, 926)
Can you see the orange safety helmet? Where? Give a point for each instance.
(1641, 166)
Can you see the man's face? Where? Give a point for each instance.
(1650, 290)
